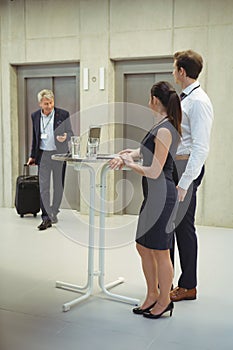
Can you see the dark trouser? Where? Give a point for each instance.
(46, 167)
(185, 232)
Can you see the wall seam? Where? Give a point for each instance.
(173, 21)
(1, 124)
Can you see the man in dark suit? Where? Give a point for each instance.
(51, 133)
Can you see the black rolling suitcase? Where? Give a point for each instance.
(27, 197)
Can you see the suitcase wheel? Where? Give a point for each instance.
(35, 215)
(21, 215)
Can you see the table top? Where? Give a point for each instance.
(68, 158)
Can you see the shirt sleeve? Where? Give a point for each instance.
(200, 117)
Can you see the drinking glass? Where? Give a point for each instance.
(75, 146)
(92, 148)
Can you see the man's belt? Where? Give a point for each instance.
(182, 157)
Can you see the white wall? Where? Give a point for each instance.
(94, 32)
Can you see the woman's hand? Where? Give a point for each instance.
(128, 150)
(116, 163)
(135, 153)
(126, 155)
(128, 159)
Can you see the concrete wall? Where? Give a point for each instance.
(96, 32)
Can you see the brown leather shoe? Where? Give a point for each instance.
(180, 293)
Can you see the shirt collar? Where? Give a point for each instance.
(191, 87)
(47, 116)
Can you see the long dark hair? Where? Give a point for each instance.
(167, 95)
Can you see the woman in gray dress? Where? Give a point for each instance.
(156, 219)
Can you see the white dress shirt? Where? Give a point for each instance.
(46, 127)
(197, 117)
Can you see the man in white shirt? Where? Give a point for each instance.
(51, 132)
(197, 117)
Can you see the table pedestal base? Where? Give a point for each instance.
(88, 289)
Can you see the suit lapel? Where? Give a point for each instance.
(37, 121)
(56, 119)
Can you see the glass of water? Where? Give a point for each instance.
(92, 148)
(75, 146)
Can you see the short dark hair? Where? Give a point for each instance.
(191, 61)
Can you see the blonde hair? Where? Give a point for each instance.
(45, 93)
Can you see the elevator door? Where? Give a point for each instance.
(134, 81)
(63, 80)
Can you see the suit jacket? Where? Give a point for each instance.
(61, 125)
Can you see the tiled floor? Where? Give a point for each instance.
(31, 316)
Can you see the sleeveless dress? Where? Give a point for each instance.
(155, 227)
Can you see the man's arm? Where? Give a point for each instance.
(200, 117)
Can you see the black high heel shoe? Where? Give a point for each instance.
(170, 308)
(140, 311)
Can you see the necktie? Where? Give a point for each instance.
(182, 96)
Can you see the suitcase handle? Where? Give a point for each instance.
(26, 168)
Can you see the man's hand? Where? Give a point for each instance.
(62, 138)
(31, 161)
(181, 193)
